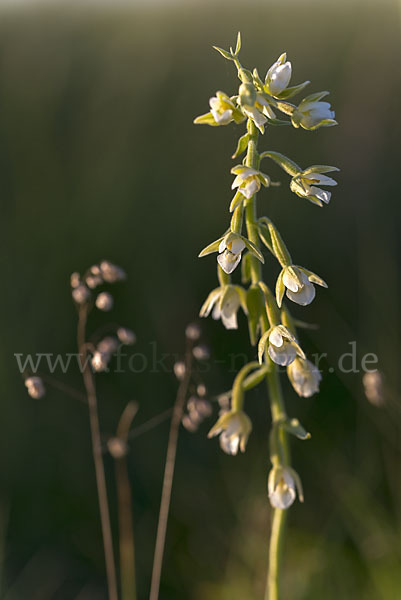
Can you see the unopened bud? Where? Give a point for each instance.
(111, 273)
(107, 345)
(373, 384)
(201, 390)
(75, 280)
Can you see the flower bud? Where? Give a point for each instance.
(117, 447)
(126, 336)
(193, 332)
(179, 370)
(201, 352)
(247, 94)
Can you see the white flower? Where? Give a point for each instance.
(221, 108)
(312, 113)
(104, 301)
(35, 387)
(298, 282)
(283, 346)
(234, 428)
(304, 184)
(283, 484)
(248, 180)
(225, 302)
(126, 336)
(278, 76)
(305, 377)
(230, 249)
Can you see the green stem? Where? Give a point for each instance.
(272, 378)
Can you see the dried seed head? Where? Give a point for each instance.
(104, 301)
(35, 387)
(75, 280)
(81, 294)
(179, 370)
(111, 273)
(193, 332)
(117, 448)
(201, 352)
(126, 336)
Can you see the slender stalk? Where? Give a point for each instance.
(169, 474)
(97, 453)
(125, 519)
(272, 379)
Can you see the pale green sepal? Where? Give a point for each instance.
(286, 333)
(257, 79)
(279, 247)
(262, 345)
(206, 119)
(213, 247)
(288, 165)
(238, 116)
(224, 53)
(246, 268)
(211, 299)
(289, 92)
(294, 427)
(323, 123)
(238, 46)
(305, 325)
(313, 278)
(264, 235)
(277, 122)
(280, 289)
(285, 107)
(298, 483)
(316, 97)
(241, 146)
(243, 297)
(238, 198)
(252, 248)
(319, 169)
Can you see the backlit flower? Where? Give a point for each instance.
(278, 76)
(230, 250)
(248, 180)
(312, 113)
(234, 428)
(283, 347)
(221, 108)
(225, 302)
(304, 376)
(298, 283)
(305, 184)
(282, 486)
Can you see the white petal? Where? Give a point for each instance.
(214, 103)
(283, 356)
(320, 179)
(228, 261)
(216, 314)
(237, 181)
(229, 444)
(323, 195)
(252, 186)
(237, 246)
(280, 78)
(290, 281)
(304, 296)
(276, 338)
(222, 245)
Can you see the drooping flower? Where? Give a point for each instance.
(278, 76)
(234, 428)
(222, 108)
(304, 184)
(283, 346)
(312, 113)
(304, 376)
(248, 180)
(225, 302)
(298, 284)
(283, 484)
(230, 250)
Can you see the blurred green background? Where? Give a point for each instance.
(99, 159)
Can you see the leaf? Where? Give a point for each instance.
(254, 303)
(246, 268)
(241, 146)
(224, 53)
(255, 378)
(288, 165)
(253, 249)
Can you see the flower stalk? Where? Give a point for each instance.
(271, 327)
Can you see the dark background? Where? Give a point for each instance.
(99, 159)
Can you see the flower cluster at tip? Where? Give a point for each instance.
(259, 103)
(86, 293)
